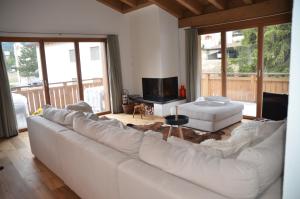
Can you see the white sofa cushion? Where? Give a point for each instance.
(265, 129)
(217, 99)
(54, 114)
(125, 140)
(229, 177)
(61, 116)
(205, 149)
(246, 135)
(108, 132)
(240, 138)
(267, 157)
(80, 106)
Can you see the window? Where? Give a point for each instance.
(62, 74)
(211, 64)
(94, 75)
(55, 78)
(72, 55)
(95, 55)
(23, 66)
(277, 41)
(256, 61)
(241, 68)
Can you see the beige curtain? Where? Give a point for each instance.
(115, 73)
(191, 52)
(8, 123)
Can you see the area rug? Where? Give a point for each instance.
(188, 133)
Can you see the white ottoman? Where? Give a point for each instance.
(211, 117)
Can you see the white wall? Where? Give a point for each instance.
(68, 16)
(169, 39)
(182, 68)
(149, 37)
(145, 45)
(292, 158)
(154, 39)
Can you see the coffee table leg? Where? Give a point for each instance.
(170, 131)
(180, 132)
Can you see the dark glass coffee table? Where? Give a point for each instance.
(176, 120)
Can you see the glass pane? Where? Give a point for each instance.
(23, 65)
(94, 75)
(277, 40)
(62, 73)
(211, 64)
(241, 68)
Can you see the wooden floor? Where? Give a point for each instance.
(24, 176)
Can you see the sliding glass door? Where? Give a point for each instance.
(211, 84)
(57, 72)
(241, 85)
(277, 40)
(94, 75)
(23, 65)
(256, 60)
(62, 73)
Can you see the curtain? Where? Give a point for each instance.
(115, 73)
(8, 123)
(191, 54)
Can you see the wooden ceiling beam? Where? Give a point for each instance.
(192, 5)
(262, 9)
(114, 4)
(169, 6)
(140, 4)
(248, 1)
(220, 4)
(131, 3)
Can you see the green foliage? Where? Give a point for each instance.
(277, 48)
(277, 41)
(28, 61)
(246, 53)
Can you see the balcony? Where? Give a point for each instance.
(243, 87)
(61, 94)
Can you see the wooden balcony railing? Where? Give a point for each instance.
(243, 86)
(61, 93)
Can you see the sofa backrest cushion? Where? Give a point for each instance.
(205, 149)
(125, 140)
(80, 106)
(240, 138)
(267, 157)
(266, 129)
(110, 133)
(229, 177)
(61, 116)
(246, 135)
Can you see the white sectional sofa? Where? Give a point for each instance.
(95, 167)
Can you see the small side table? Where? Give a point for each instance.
(176, 120)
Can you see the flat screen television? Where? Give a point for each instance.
(160, 89)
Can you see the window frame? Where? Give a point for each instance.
(260, 24)
(75, 40)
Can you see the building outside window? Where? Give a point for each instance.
(95, 53)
